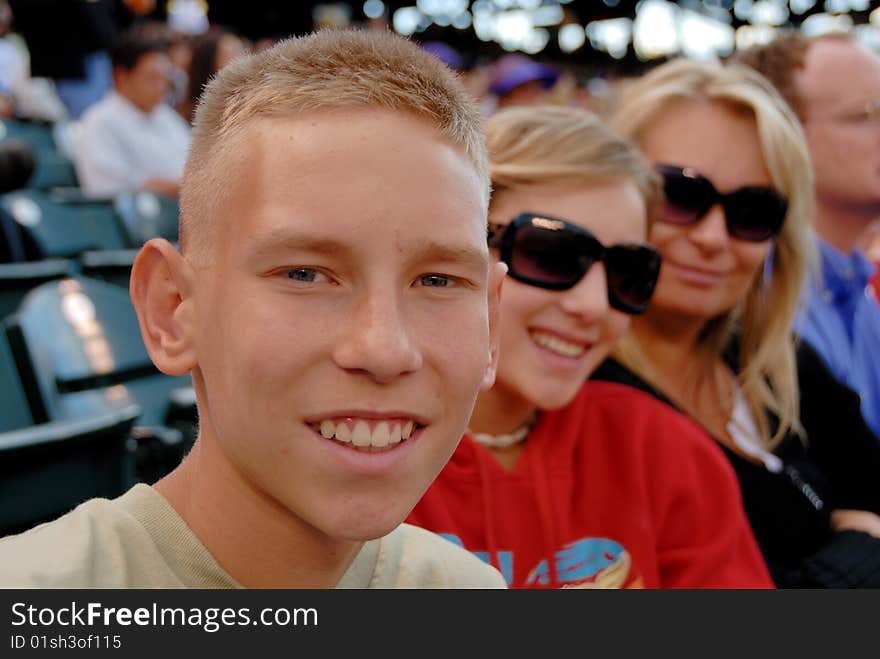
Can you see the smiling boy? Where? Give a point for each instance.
(336, 338)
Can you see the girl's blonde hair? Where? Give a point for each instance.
(556, 145)
(762, 321)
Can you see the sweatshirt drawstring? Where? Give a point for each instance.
(488, 507)
(545, 510)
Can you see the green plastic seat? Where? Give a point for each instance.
(147, 215)
(49, 468)
(79, 350)
(53, 166)
(17, 279)
(56, 226)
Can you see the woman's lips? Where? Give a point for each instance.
(696, 276)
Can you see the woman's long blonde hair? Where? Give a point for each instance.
(762, 321)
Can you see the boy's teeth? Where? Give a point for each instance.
(384, 433)
(343, 432)
(381, 436)
(361, 434)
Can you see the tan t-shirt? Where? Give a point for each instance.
(139, 541)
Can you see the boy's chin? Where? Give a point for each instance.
(367, 526)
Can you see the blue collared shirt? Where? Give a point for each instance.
(840, 318)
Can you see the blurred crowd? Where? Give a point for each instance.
(756, 182)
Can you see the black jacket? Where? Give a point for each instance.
(837, 467)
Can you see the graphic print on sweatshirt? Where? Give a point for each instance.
(584, 563)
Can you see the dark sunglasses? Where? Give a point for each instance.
(753, 213)
(551, 253)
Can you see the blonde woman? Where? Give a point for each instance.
(716, 343)
(559, 483)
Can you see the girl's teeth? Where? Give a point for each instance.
(557, 345)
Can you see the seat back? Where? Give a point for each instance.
(147, 215)
(53, 170)
(55, 227)
(48, 469)
(79, 350)
(53, 166)
(14, 409)
(113, 266)
(17, 279)
(39, 135)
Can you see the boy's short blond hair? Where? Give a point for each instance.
(325, 71)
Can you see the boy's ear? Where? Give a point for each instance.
(160, 288)
(497, 272)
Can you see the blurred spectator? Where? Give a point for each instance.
(69, 42)
(869, 243)
(210, 53)
(264, 43)
(180, 52)
(518, 80)
(131, 139)
(834, 86)
(188, 16)
(11, 63)
(21, 95)
(717, 341)
(445, 53)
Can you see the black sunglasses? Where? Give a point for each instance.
(551, 253)
(753, 213)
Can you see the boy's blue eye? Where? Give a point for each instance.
(303, 274)
(435, 281)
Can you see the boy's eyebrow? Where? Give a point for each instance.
(428, 250)
(280, 241)
(436, 252)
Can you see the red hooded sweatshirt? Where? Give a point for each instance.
(614, 490)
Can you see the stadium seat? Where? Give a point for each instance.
(52, 226)
(78, 348)
(147, 215)
(110, 265)
(53, 167)
(36, 133)
(17, 279)
(53, 171)
(49, 468)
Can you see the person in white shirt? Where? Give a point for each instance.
(132, 140)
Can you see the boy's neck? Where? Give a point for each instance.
(257, 541)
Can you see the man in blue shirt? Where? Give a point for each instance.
(834, 86)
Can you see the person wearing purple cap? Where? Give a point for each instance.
(445, 53)
(519, 80)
